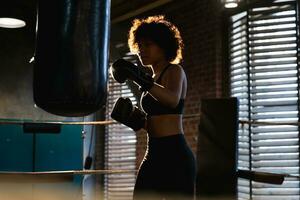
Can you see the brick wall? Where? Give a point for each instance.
(200, 23)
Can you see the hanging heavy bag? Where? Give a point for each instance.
(71, 56)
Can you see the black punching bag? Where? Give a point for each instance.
(71, 56)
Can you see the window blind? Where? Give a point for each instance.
(120, 148)
(264, 76)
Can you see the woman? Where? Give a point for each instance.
(168, 170)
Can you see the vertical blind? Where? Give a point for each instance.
(264, 76)
(120, 148)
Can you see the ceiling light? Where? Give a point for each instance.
(11, 23)
(230, 3)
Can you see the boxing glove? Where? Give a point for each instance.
(127, 114)
(121, 70)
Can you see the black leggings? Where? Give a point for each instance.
(168, 170)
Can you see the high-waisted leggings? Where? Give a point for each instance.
(168, 170)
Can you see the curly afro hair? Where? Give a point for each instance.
(161, 32)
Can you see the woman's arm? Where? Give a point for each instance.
(142, 130)
(170, 92)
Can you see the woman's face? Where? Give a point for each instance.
(150, 53)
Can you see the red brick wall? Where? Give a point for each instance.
(200, 23)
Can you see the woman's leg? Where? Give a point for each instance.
(146, 183)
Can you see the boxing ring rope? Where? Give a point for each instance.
(69, 172)
(243, 122)
(109, 122)
(53, 176)
(267, 177)
(18, 122)
(104, 122)
(57, 176)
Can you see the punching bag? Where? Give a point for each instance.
(71, 56)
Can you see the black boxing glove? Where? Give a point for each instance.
(121, 70)
(127, 114)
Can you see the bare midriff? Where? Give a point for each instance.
(164, 125)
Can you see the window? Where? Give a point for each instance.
(264, 74)
(120, 149)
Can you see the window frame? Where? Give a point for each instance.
(245, 6)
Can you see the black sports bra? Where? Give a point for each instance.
(153, 107)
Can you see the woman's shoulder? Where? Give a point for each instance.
(176, 69)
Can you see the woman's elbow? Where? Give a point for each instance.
(173, 103)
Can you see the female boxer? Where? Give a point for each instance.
(168, 170)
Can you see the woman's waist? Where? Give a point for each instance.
(164, 119)
(160, 126)
(167, 145)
